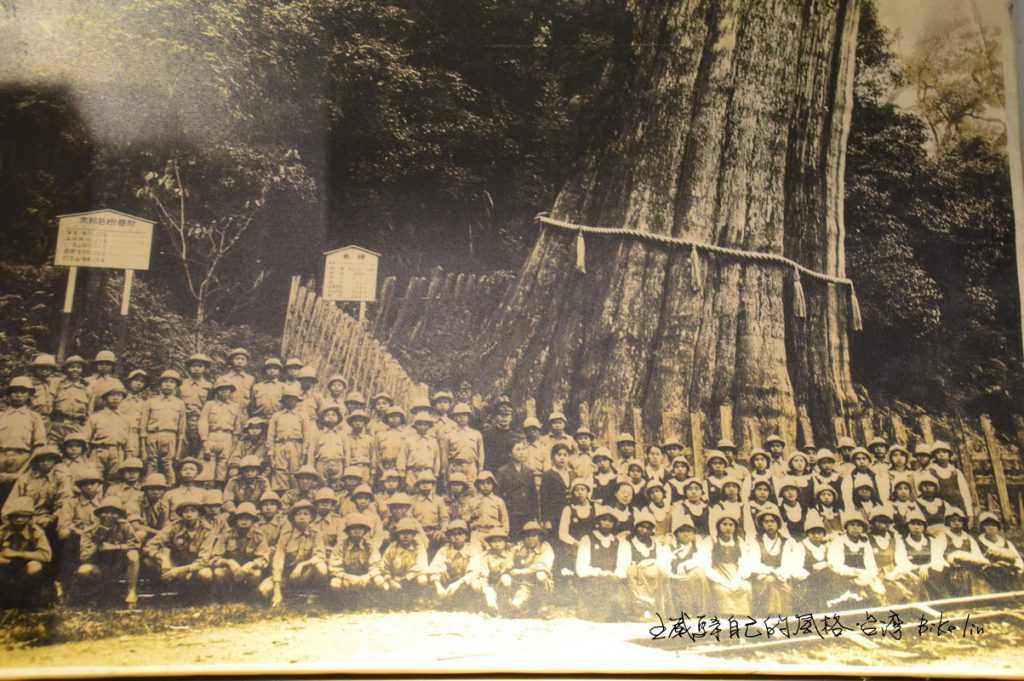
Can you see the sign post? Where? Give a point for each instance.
(350, 275)
(101, 238)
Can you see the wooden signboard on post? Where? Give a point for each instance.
(350, 275)
(106, 239)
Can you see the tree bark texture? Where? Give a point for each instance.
(734, 135)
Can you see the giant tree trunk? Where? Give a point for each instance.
(734, 135)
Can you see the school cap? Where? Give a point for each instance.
(357, 472)
(105, 356)
(824, 454)
(761, 453)
(170, 375)
(914, 516)
(199, 358)
(719, 516)
(19, 506)
(400, 499)
(556, 416)
(395, 410)
(860, 451)
(213, 497)
(407, 525)
(44, 451)
(291, 391)
(924, 477)
(601, 453)
(270, 495)
(532, 527)
(357, 414)
(255, 421)
(191, 500)
(426, 476)
(713, 455)
(862, 480)
(272, 362)
(334, 378)
(462, 408)
(531, 422)
(989, 517)
(308, 471)
(362, 488)
(897, 448)
(155, 480)
(761, 482)
(692, 481)
(485, 475)
(419, 405)
(84, 474)
(680, 458)
(848, 517)
(622, 439)
(952, 510)
(671, 442)
(769, 509)
(797, 454)
(922, 449)
(583, 430)
(785, 481)
(441, 395)
(355, 396)
(654, 484)
(74, 359)
(115, 387)
(325, 494)
(457, 525)
(601, 510)
(307, 373)
(192, 460)
(812, 521)
(941, 445)
(245, 508)
(725, 443)
(224, 382)
(730, 480)
(774, 438)
(825, 488)
(382, 395)
(496, 533)
(131, 463)
(457, 478)
(357, 520)
(875, 441)
(294, 362)
(300, 505)
(329, 407)
(238, 351)
(137, 373)
(392, 474)
(882, 511)
(44, 359)
(845, 442)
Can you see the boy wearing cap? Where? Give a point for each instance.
(403, 569)
(326, 519)
(74, 454)
(292, 367)
(1005, 566)
(43, 370)
(194, 391)
(266, 394)
(152, 515)
(430, 511)
(489, 510)
(361, 502)
(354, 558)
(176, 552)
(248, 485)
(532, 569)
(392, 443)
(454, 568)
(21, 431)
(537, 457)
(24, 550)
(518, 490)
(300, 558)
(329, 447)
(334, 396)
(309, 404)
(127, 485)
(465, 445)
(400, 509)
(494, 579)
(131, 409)
(70, 400)
(602, 561)
(557, 435)
(307, 482)
(110, 549)
(271, 520)
(43, 484)
(580, 462)
(361, 447)
(163, 426)
(460, 498)
(238, 554)
(252, 443)
(219, 425)
(238, 362)
(423, 454)
(290, 437)
(102, 379)
(350, 480)
(108, 431)
(188, 470)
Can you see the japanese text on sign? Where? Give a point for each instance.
(350, 274)
(104, 239)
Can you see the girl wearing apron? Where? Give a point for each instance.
(694, 506)
(602, 560)
(730, 505)
(899, 469)
(813, 579)
(800, 474)
(687, 579)
(647, 574)
(890, 556)
(827, 510)
(792, 511)
(771, 590)
(715, 476)
(622, 509)
(760, 471)
(853, 561)
(924, 558)
(931, 506)
(952, 483)
(964, 560)
(660, 510)
(679, 474)
(576, 522)
(727, 561)
(1005, 567)
(828, 476)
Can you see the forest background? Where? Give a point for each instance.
(260, 134)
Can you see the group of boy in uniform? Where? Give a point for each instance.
(238, 486)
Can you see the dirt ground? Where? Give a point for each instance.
(396, 641)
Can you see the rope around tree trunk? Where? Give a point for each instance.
(799, 303)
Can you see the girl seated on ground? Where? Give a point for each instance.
(727, 560)
(853, 561)
(964, 560)
(602, 560)
(688, 582)
(771, 565)
(924, 558)
(1005, 567)
(812, 575)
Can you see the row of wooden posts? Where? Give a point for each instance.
(322, 335)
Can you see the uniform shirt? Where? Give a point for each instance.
(194, 394)
(184, 544)
(461, 507)
(392, 449)
(31, 539)
(538, 458)
(271, 529)
(174, 496)
(21, 428)
(97, 386)
(423, 454)
(43, 397)
(76, 514)
(326, 400)
(130, 495)
(451, 564)
(466, 443)
(97, 538)
(488, 512)
(430, 511)
(107, 428)
(162, 414)
(360, 450)
(266, 398)
(330, 528)
(217, 417)
(131, 409)
(494, 564)
(330, 444)
(309, 405)
(72, 399)
(295, 546)
(231, 544)
(539, 559)
(243, 382)
(376, 533)
(354, 558)
(246, 447)
(288, 425)
(151, 516)
(47, 492)
(398, 562)
(239, 489)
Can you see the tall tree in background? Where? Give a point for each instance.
(730, 136)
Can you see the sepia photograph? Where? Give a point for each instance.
(536, 336)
